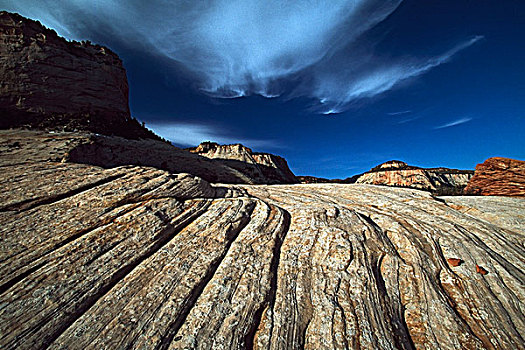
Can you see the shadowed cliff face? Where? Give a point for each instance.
(45, 73)
(135, 257)
(51, 83)
(498, 177)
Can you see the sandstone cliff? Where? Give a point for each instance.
(398, 174)
(263, 167)
(49, 82)
(134, 257)
(498, 177)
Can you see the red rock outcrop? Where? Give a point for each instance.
(498, 176)
(442, 181)
(49, 82)
(263, 167)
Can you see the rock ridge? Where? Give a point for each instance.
(51, 83)
(264, 167)
(113, 151)
(441, 181)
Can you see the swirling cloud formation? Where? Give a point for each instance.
(236, 48)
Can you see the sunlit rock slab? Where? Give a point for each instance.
(138, 258)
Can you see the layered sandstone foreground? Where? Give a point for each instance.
(135, 257)
(498, 176)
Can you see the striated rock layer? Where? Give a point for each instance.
(49, 82)
(135, 257)
(398, 174)
(498, 176)
(263, 167)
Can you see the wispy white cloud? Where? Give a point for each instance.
(406, 120)
(236, 48)
(337, 89)
(454, 123)
(402, 117)
(192, 134)
(399, 113)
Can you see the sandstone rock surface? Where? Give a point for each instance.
(263, 167)
(510, 215)
(395, 173)
(112, 151)
(135, 257)
(49, 82)
(498, 177)
(108, 243)
(109, 152)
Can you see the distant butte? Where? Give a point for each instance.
(395, 173)
(441, 181)
(262, 167)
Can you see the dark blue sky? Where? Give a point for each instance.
(347, 86)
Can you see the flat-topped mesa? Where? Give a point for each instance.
(498, 176)
(391, 164)
(215, 151)
(398, 174)
(263, 167)
(51, 83)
